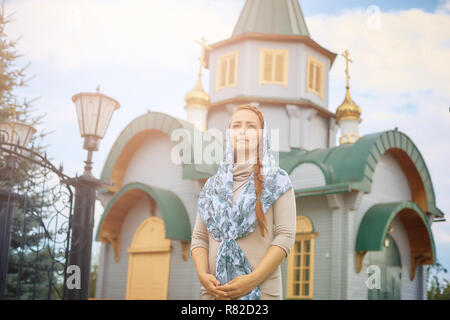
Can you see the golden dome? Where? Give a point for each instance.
(197, 97)
(348, 109)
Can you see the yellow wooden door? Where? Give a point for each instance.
(149, 262)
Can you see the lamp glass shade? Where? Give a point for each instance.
(16, 132)
(94, 112)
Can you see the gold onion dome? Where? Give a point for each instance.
(348, 109)
(197, 97)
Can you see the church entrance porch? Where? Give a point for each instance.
(149, 262)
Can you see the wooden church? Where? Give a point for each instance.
(364, 207)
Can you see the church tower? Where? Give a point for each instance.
(271, 60)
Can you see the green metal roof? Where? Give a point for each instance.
(165, 123)
(271, 17)
(172, 209)
(375, 223)
(354, 164)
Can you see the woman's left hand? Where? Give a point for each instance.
(239, 286)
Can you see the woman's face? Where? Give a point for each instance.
(245, 130)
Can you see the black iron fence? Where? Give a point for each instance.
(36, 217)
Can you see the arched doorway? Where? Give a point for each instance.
(388, 260)
(149, 262)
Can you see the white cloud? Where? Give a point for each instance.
(441, 236)
(408, 52)
(443, 7)
(70, 34)
(400, 77)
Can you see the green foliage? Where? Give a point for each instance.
(437, 290)
(93, 281)
(37, 268)
(30, 256)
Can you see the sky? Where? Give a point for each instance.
(144, 54)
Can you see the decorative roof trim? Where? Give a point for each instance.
(271, 37)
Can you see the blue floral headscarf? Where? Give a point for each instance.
(228, 221)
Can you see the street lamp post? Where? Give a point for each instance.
(94, 112)
(13, 136)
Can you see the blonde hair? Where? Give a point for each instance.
(257, 170)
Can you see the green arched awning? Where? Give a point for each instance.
(374, 228)
(172, 210)
(353, 165)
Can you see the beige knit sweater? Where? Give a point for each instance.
(281, 225)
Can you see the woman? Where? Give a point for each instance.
(246, 218)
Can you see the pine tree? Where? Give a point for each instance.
(437, 290)
(31, 262)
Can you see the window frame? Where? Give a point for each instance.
(306, 224)
(315, 63)
(228, 57)
(275, 52)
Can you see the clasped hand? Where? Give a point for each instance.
(235, 289)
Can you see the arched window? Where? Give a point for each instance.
(300, 264)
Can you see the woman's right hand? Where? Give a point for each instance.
(210, 282)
